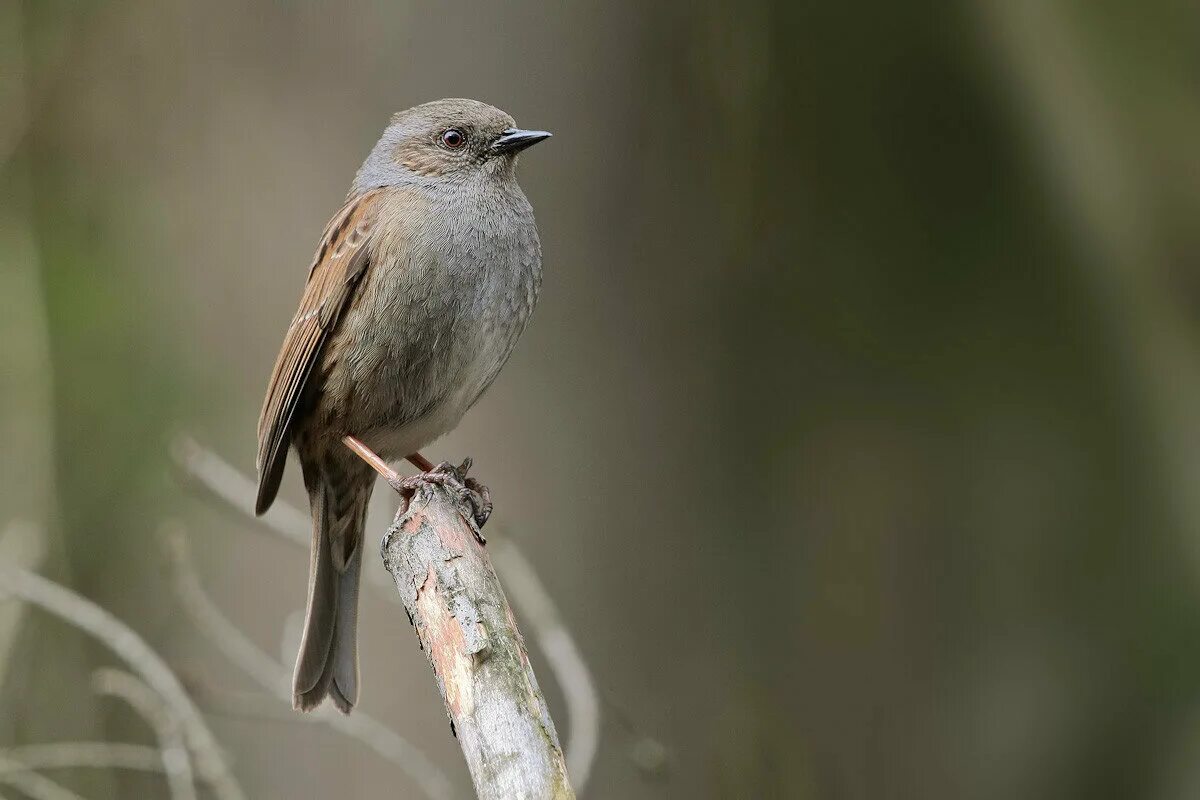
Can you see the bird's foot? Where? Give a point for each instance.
(469, 491)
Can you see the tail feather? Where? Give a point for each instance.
(327, 665)
(344, 658)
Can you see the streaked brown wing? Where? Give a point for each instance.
(340, 262)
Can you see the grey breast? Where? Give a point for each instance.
(461, 290)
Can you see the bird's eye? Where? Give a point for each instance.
(454, 138)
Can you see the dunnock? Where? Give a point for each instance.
(420, 287)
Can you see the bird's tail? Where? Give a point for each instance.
(327, 665)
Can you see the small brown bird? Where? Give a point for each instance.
(420, 287)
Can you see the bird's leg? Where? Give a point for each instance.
(419, 461)
(405, 487)
(373, 460)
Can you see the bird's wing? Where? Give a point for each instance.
(340, 262)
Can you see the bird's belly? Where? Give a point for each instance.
(434, 323)
(417, 391)
(395, 442)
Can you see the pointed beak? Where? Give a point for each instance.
(514, 140)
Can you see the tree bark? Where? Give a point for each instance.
(465, 625)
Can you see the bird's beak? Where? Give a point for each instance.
(514, 140)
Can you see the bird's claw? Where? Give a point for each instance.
(468, 491)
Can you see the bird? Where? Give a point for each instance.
(420, 287)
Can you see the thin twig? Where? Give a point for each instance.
(22, 544)
(32, 784)
(373, 461)
(275, 678)
(210, 472)
(150, 707)
(76, 755)
(122, 640)
(205, 469)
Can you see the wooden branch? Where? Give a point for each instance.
(465, 625)
(204, 469)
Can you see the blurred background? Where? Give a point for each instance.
(856, 435)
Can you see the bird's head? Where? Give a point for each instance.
(446, 139)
